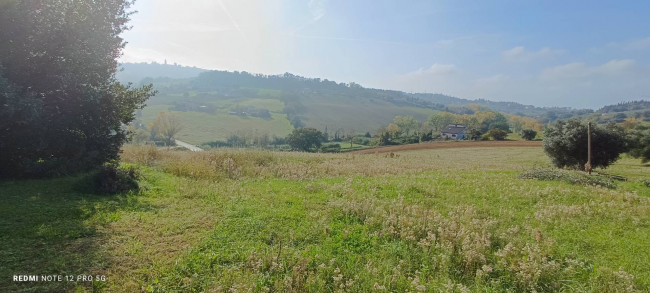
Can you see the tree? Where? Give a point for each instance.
(166, 126)
(528, 134)
(498, 121)
(566, 144)
(305, 139)
(393, 130)
(438, 121)
(640, 142)
(406, 123)
(61, 107)
(473, 133)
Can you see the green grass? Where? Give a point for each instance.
(432, 220)
(347, 146)
(513, 136)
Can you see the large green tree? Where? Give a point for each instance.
(566, 144)
(305, 139)
(61, 107)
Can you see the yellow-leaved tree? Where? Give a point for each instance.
(166, 127)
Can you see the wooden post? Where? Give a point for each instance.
(588, 165)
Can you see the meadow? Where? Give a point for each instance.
(199, 127)
(440, 220)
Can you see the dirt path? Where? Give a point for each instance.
(188, 146)
(448, 145)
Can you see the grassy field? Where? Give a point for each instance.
(200, 127)
(439, 220)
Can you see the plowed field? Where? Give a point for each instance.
(449, 144)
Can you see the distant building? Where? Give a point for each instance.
(454, 131)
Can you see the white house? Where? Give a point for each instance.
(454, 131)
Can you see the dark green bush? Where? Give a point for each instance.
(497, 134)
(110, 179)
(528, 134)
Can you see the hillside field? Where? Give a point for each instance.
(432, 220)
(200, 127)
(358, 115)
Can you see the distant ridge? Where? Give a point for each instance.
(136, 72)
(216, 105)
(207, 80)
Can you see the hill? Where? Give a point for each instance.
(136, 72)
(621, 111)
(544, 114)
(218, 104)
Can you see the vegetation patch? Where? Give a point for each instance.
(573, 177)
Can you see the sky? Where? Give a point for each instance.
(570, 53)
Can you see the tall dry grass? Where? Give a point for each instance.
(237, 163)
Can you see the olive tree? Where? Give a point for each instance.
(566, 144)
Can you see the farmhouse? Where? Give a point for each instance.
(454, 131)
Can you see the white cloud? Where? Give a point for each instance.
(520, 54)
(640, 44)
(576, 70)
(439, 78)
(572, 84)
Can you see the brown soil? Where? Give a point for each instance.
(448, 145)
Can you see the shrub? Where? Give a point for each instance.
(566, 144)
(497, 134)
(528, 134)
(640, 142)
(110, 179)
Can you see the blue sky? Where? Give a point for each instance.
(547, 53)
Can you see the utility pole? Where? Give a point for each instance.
(588, 165)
